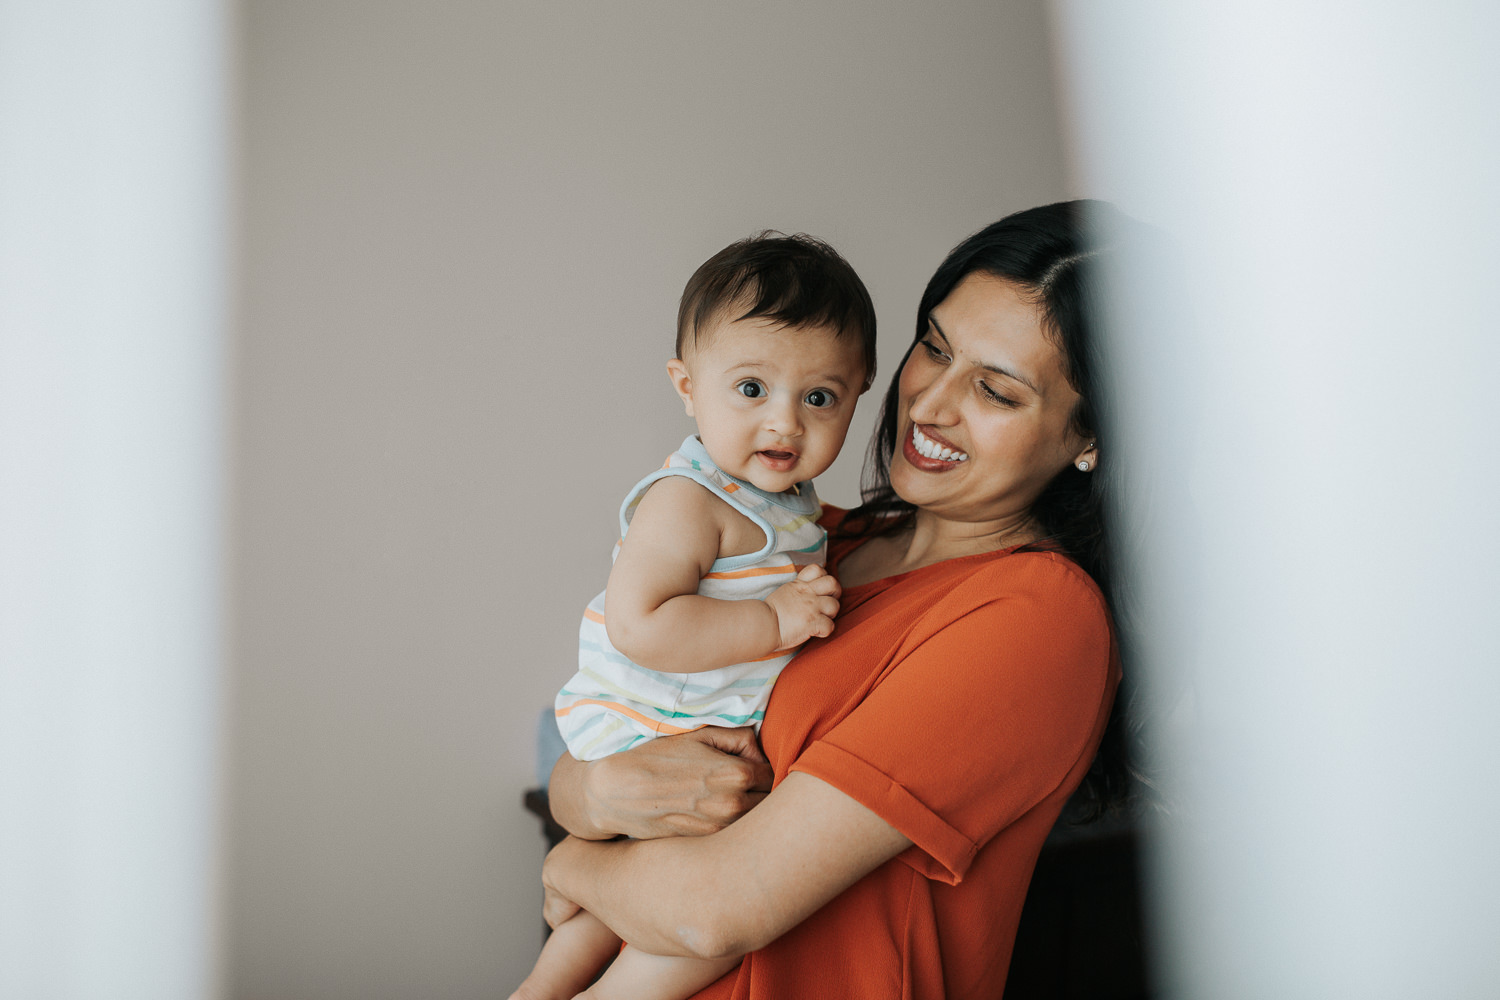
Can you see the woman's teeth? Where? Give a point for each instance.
(928, 448)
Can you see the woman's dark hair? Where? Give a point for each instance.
(1054, 255)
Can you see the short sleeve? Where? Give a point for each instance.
(989, 705)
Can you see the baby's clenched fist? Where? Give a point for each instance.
(805, 607)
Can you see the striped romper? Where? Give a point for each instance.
(612, 703)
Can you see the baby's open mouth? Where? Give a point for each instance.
(777, 461)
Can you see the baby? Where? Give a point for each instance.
(718, 576)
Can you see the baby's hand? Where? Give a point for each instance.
(805, 607)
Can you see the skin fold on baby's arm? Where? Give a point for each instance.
(653, 612)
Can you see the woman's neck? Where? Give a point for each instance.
(935, 538)
(930, 539)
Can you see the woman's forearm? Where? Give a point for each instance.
(668, 920)
(734, 891)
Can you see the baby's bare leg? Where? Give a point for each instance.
(637, 975)
(575, 951)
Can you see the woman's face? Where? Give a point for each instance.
(984, 414)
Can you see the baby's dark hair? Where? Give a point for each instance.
(796, 280)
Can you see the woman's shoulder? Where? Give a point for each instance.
(1021, 612)
(1047, 568)
(1043, 582)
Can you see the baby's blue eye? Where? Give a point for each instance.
(819, 398)
(751, 389)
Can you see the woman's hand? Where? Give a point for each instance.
(674, 786)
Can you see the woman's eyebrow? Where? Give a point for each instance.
(997, 369)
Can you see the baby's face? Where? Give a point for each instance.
(772, 404)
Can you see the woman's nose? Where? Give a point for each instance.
(933, 403)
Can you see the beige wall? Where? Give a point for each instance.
(465, 226)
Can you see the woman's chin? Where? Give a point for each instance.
(914, 485)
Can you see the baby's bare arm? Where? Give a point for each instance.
(652, 610)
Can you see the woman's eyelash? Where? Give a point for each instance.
(933, 349)
(995, 396)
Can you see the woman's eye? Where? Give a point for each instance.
(819, 398)
(995, 397)
(933, 351)
(751, 389)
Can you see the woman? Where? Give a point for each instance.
(922, 753)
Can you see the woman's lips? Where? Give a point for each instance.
(777, 461)
(920, 461)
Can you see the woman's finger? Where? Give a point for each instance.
(741, 742)
(749, 761)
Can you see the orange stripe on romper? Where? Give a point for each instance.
(738, 574)
(656, 724)
(593, 615)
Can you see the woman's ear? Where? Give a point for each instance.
(1087, 459)
(682, 383)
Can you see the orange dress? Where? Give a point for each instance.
(963, 703)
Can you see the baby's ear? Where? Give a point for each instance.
(682, 383)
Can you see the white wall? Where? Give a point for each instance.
(1317, 412)
(466, 227)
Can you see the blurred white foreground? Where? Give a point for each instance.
(112, 314)
(1317, 412)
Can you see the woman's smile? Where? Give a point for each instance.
(934, 453)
